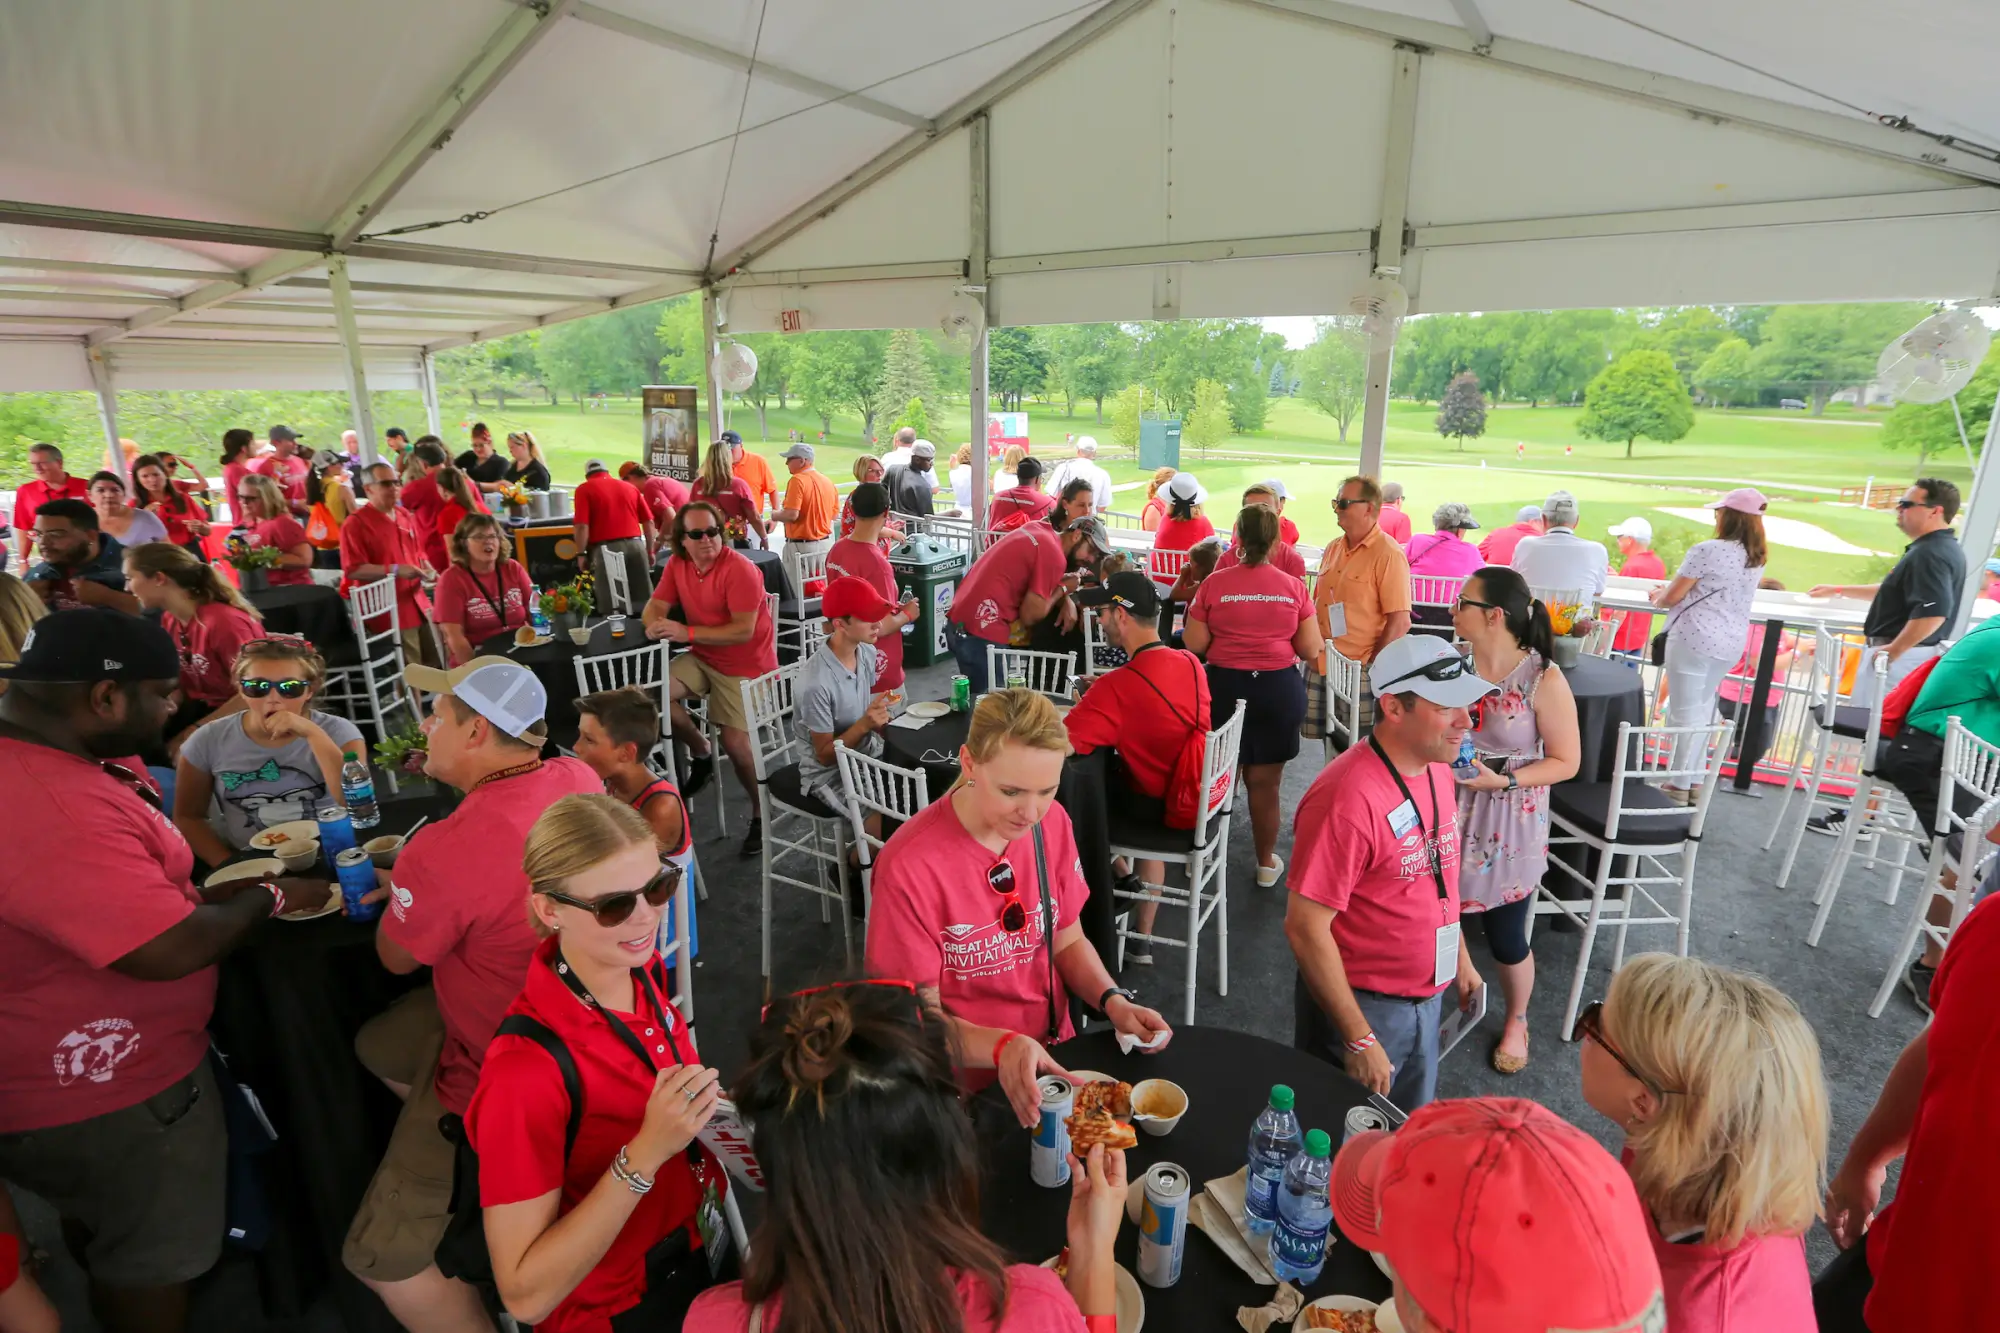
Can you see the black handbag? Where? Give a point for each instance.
(1656, 651)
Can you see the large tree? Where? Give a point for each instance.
(1554, 353)
(1208, 424)
(1930, 428)
(1093, 361)
(1333, 371)
(1249, 402)
(1016, 363)
(907, 375)
(1815, 351)
(1462, 413)
(1638, 395)
(1686, 333)
(840, 371)
(774, 372)
(1728, 376)
(1175, 356)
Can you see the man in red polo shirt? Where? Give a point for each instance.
(859, 555)
(1021, 578)
(50, 483)
(378, 540)
(663, 496)
(284, 466)
(1373, 913)
(613, 523)
(726, 624)
(1640, 561)
(455, 905)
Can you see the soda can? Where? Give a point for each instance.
(1362, 1119)
(961, 694)
(1017, 680)
(1048, 1162)
(357, 876)
(336, 830)
(1163, 1225)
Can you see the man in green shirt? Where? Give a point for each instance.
(1964, 684)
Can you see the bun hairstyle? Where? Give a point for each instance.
(1527, 619)
(871, 1165)
(1256, 533)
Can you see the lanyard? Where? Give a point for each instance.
(1430, 845)
(499, 612)
(642, 984)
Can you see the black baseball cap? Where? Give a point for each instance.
(1128, 588)
(395, 432)
(730, 437)
(94, 643)
(281, 433)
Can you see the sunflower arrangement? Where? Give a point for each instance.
(1571, 620)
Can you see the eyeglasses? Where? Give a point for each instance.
(1445, 668)
(1464, 602)
(1591, 1024)
(613, 908)
(1348, 504)
(256, 687)
(1000, 879)
(909, 986)
(700, 534)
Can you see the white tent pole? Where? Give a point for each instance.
(1981, 523)
(357, 372)
(107, 411)
(711, 387)
(432, 421)
(976, 275)
(1397, 152)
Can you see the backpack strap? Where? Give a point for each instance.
(520, 1025)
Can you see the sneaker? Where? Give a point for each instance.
(1268, 876)
(700, 772)
(1138, 959)
(753, 841)
(1829, 823)
(1917, 981)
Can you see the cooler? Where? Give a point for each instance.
(930, 573)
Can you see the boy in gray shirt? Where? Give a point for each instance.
(835, 697)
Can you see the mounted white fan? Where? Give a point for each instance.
(1380, 306)
(736, 367)
(1936, 359)
(964, 319)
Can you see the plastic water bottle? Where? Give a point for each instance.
(1467, 763)
(357, 788)
(1274, 1140)
(1305, 1212)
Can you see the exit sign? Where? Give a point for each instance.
(791, 321)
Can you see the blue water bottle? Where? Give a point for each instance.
(1305, 1213)
(357, 787)
(336, 831)
(1274, 1140)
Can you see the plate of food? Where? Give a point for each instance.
(1131, 1302)
(1341, 1314)
(929, 708)
(269, 867)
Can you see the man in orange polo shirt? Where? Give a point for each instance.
(752, 471)
(810, 506)
(1363, 591)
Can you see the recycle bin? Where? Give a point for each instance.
(930, 573)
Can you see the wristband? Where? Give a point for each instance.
(1100, 1323)
(1001, 1045)
(277, 898)
(1361, 1043)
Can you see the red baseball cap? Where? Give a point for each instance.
(1501, 1217)
(853, 597)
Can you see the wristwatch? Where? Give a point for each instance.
(1512, 782)
(1105, 998)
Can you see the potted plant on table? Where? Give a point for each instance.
(516, 497)
(403, 750)
(1572, 623)
(253, 564)
(568, 605)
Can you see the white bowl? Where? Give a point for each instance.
(384, 850)
(1345, 1304)
(299, 856)
(278, 838)
(268, 867)
(1157, 1092)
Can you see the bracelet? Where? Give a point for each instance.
(277, 898)
(626, 1174)
(1361, 1043)
(1001, 1045)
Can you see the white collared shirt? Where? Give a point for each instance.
(1562, 561)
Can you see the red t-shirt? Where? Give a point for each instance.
(1252, 612)
(232, 479)
(519, 1114)
(1634, 629)
(484, 604)
(33, 495)
(613, 510)
(290, 474)
(423, 499)
(936, 921)
(458, 903)
(663, 495)
(1396, 523)
(1037, 1302)
(178, 510)
(1283, 556)
(989, 597)
(732, 586)
(1498, 548)
(1179, 534)
(92, 872)
(1931, 1257)
(285, 533)
(865, 561)
(1761, 1285)
(1288, 531)
(371, 537)
(1345, 855)
(1017, 505)
(450, 515)
(1147, 726)
(209, 644)
(737, 504)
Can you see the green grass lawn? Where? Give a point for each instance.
(1303, 447)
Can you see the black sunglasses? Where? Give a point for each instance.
(1000, 879)
(613, 908)
(1916, 504)
(256, 687)
(1348, 504)
(1445, 668)
(249, 495)
(700, 534)
(1591, 1024)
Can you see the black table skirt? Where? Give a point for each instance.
(1227, 1076)
(1081, 794)
(1607, 693)
(288, 1005)
(554, 664)
(318, 613)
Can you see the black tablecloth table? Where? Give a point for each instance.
(1227, 1076)
(317, 612)
(934, 748)
(554, 664)
(288, 1005)
(1607, 693)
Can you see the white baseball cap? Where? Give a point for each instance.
(499, 689)
(1638, 529)
(1183, 486)
(1276, 488)
(1428, 667)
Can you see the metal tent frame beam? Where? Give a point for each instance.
(1398, 155)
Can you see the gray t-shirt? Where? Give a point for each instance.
(257, 786)
(830, 698)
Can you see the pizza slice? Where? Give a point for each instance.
(1112, 1097)
(1090, 1128)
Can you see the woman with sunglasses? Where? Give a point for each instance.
(871, 1218)
(1715, 1077)
(483, 592)
(265, 519)
(625, 1228)
(998, 852)
(272, 760)
(210, 622)
(329, 500)
(157, 490)
(1525, 737)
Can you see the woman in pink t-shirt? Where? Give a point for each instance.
(1184, 526)
(210, 622)
(1253, 624)
(730, 494)
(847, 1086)
(266, 520)
(483, 592)
(1715, 1077)
(957, 888)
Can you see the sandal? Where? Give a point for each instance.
(1503, 1063)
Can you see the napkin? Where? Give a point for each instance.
(911, 721)
(1282, 1309)
(1218, 1211)
(1127, 1043)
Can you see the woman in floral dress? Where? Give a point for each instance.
(1525, 738)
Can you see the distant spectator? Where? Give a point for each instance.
(862, 556)
(80, 566)
(1710, 603)
(525, 465)
(961, 480)
(1498, 548)
(1010, 462)
(1559, 560)
(913, 485)
(460, 498)
(264, 519)
(210, 622)
(181, 506)
(1185, 525)
(1445, 552)
(1073, 500)
(663, 496)
(1084, 467)
(1392, 518)
(50, 483)
(118, 519)
(810, 508)
(284, 466)
(238, 453)
(1202, 559)
(1020, 581)
(482, 465)
(868, 470)
(329, 500)
(1638, 560)
(1155, 508)
(1910, 611)
(752, 471)
(422, 497)
(1023, 502)
(731, 495)
(1288, 531)
(1284, 555)
(380, 540)
(903, 445)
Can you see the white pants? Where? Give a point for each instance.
(1694, 681)
(1864, 678)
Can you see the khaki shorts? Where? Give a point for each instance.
(402, 1217)
(146, 1182)
(418, 648)
(724, 693)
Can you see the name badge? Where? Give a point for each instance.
(1446, 964)
(1402, 819)
(1336, 620)
(710, 1222)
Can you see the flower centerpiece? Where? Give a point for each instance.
(516, 496)
(252, 562)
(568, 605)
(403, 750)
(1572, 623)
(735, 531)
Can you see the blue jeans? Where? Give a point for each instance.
(969, 650)
(1406, 1029)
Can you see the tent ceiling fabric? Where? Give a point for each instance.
(1190, 157)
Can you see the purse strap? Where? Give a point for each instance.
(1048, 926)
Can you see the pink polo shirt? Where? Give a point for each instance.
(1283, 556)
(1252, 612)
(989, 597)
(732, 586)
(208, 647)
(1346, 856)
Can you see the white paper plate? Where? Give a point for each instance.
(1348, 1304)
(287, 837)
(929, 708)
